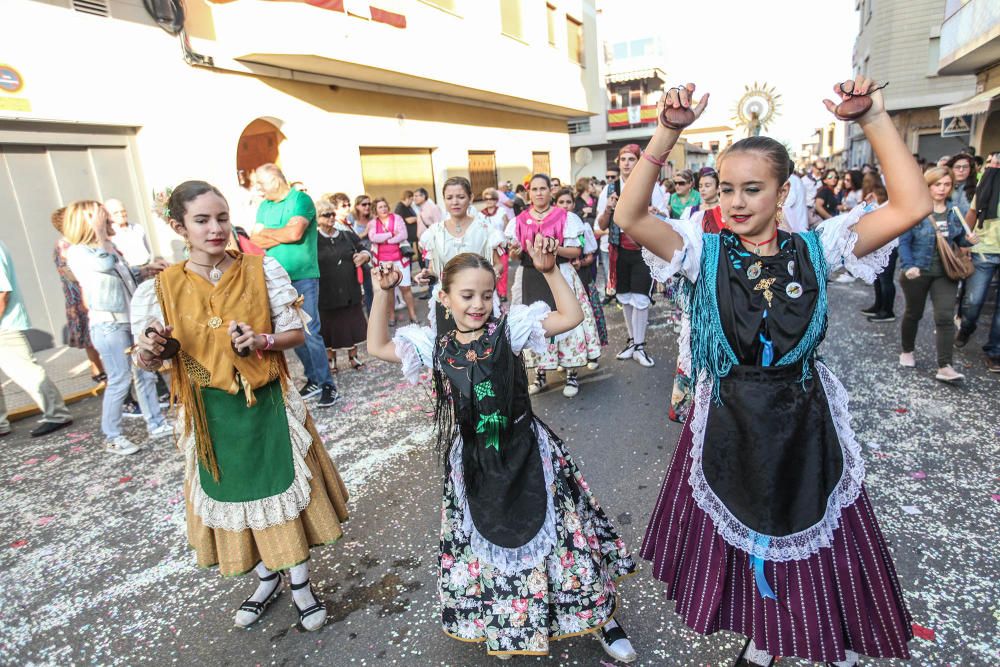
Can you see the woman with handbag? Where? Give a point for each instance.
(931, 264)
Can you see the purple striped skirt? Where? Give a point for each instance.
(844, 597)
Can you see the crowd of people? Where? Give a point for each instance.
(519, 289)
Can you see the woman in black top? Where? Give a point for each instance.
(340, 256)
(826, 198)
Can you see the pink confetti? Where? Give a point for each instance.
(17, 478)
(995, 496)
(30, 462)
(44, 520)
(75, 449)
(920, 474)
(126, 478)
(176, 499)
(152, 483)
(18, 544)
(901, 411)
(76, 437)
(393, 410)
(53, 458)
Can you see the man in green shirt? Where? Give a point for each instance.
(286, 230)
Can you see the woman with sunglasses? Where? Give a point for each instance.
(359, 218)
(763, 526)
(826, 202)
(340, 255)
(684, 194)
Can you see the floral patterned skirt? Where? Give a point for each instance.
(574, 348)
(571, 592)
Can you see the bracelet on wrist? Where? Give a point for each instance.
(659, 163)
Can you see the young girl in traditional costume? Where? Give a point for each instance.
(527, 553)
(763, 526)
(581, 345)
(260, 488)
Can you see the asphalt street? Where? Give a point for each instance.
(96, 570)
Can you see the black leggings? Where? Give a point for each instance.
(942, 290)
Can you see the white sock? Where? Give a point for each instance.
(852, 659)
(264, 588)
(627, 310)
(640, 320)
(303, 596)
(756, 656)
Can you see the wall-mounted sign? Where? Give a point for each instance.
(956, 126)
(11, 80)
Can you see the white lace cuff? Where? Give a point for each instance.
(686, 261)
(525, 325)
(290, 318)
(838, 238)
(415, 349)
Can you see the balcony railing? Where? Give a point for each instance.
(633, 116)
(579, 126)
(972, 28)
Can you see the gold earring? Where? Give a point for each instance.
(447, 313)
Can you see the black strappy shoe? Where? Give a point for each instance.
(741, 661)
(251, 610)
(314, 616)
(623, 652)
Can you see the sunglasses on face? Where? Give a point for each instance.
(680, 182)
(612, 177)
(490, 198)
(325, 215)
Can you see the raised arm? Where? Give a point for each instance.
(386, 277)
(568, 313)
(909, 199)
(632, 213)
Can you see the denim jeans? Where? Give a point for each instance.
(977, 289)
(369, 296)
(312, 353)
(885, 287)
(111, 340)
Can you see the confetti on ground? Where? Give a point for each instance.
(921, 632)
(911, 509)
(44, 520)
(920, 474)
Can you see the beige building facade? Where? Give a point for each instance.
(970, 45)
(899, 41)
(353, 98)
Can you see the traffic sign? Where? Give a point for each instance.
(956, 126)
(10, 79)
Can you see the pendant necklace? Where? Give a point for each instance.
(215, 275)
(757, 244)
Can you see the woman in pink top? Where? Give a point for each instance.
(386, 232)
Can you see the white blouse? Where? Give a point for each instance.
(479, 237)
(415, 343)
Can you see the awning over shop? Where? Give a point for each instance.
(984, 102)
(637, 75)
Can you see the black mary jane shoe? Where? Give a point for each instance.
(251, 610)
(741, 660)
(314, 616)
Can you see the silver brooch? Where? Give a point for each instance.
(791, 267)
(794, 290)
(753, 271)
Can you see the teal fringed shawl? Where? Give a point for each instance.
(710, 351)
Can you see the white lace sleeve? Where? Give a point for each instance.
(686, 261)
(145, 308)
(837, 236)
(286, 308)
(525, 325)
(415, 349)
